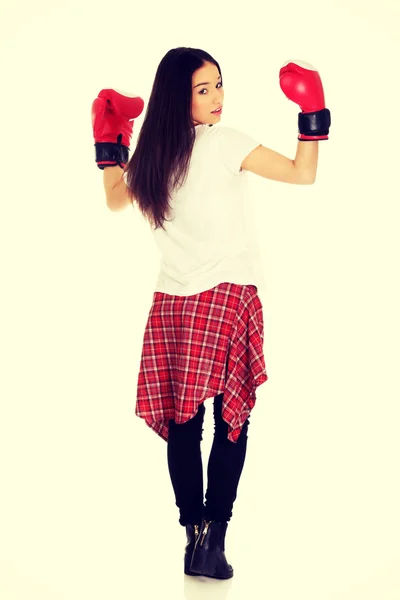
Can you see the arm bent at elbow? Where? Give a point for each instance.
(117, 196)
(271, 165)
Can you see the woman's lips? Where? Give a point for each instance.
(218, 111)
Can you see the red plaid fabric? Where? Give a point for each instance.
(196, 347)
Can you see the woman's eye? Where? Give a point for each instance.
(219, 83)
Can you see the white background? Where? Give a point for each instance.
(87, 510)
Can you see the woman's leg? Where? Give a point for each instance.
(186, 467)
(225, 467)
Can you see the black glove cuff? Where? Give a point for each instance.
(112, 153)
(315, 123)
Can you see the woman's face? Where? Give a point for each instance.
(207, 94)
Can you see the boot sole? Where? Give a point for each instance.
(211, 576)
(193, 574)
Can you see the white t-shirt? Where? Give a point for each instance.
(210, 237)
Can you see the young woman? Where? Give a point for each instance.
(204, 334)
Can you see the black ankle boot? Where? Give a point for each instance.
(209, 552)
(192, 533)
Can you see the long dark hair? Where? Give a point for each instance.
(165, 142)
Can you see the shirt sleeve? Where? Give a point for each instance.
(234, 146)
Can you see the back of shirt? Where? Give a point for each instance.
(210, 236)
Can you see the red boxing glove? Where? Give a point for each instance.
(112, 120)
(301, 83)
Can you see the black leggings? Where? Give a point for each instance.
(224, 467)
